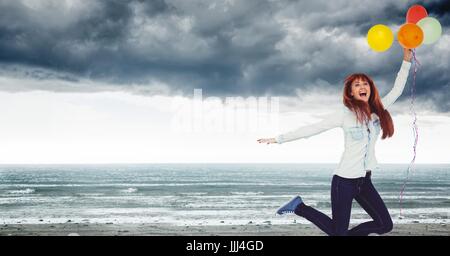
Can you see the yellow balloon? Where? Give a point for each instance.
(380, 37)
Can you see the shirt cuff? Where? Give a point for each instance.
(279, 139)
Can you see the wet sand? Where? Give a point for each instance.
(110, 229)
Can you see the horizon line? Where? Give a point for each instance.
(145, 163)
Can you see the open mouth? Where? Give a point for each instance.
(363, 94)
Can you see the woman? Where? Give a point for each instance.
(362, 117)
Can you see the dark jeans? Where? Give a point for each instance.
(343, 191)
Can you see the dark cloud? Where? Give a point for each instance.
(250, 47)
(440, 10)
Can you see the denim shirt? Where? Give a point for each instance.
(359, 139)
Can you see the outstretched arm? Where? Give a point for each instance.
(332, 120)
(400, 81)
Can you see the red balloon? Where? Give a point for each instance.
(416, 13)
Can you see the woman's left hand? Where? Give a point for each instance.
(407, 54)
(268, 141)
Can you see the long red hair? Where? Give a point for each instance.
(363, 110)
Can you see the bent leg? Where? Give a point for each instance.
(318, 218)
(342, 193)
(371, 202)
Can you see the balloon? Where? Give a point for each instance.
(410, 36)
(416, 13)
(380, 37)
(431, 28)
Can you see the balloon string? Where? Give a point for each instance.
(414, 125)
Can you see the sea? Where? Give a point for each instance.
(206, 194)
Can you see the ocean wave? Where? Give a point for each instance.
(130, 190)
(194, 193)
(90, 194)
(22, 191)
(188, 217)
(180, 184)
(247, 193)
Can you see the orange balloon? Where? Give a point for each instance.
(410, 36)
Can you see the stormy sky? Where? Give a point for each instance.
(112, 81)
(226, 47)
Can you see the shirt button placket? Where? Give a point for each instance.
(367, 144)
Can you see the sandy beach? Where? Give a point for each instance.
(95, 229)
